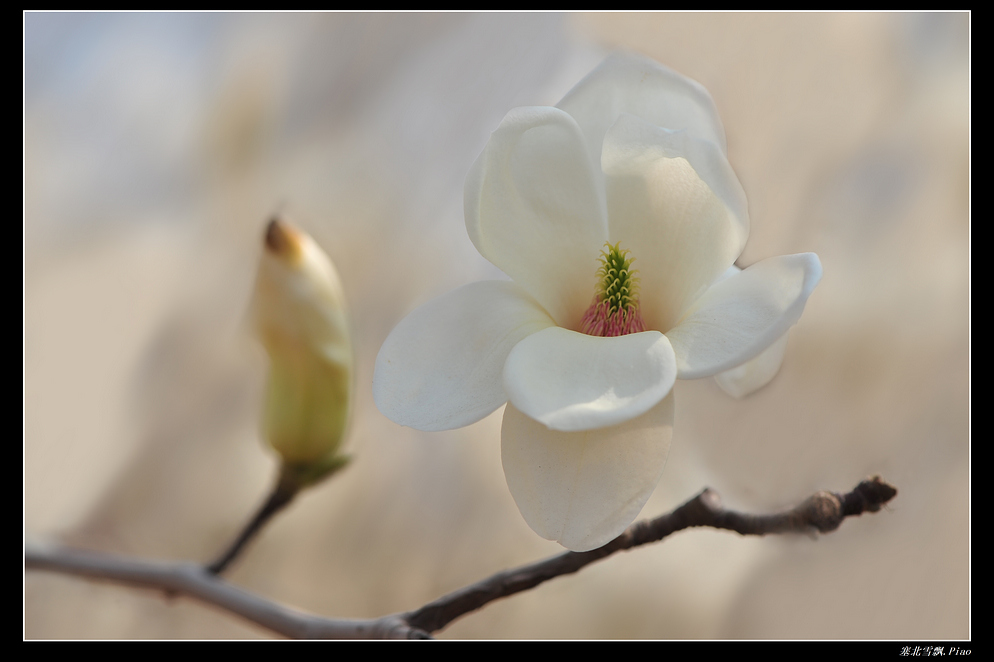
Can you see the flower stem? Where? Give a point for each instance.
(283, 493)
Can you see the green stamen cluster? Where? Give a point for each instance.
(617, 284)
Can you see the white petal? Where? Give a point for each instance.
(743, 314)
(583, 488)
(755, 373)
(627, 83)
(676, 204)
(440, 368)
(570, 381)
(533, 208)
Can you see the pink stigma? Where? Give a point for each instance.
(601, 320)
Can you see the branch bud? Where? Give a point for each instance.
(300, 315)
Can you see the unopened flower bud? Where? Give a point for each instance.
(300, 314)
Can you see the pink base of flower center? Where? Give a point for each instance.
(599, 320)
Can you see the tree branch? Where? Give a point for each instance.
(822, 512)
(186, 578)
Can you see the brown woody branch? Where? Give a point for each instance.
(822, 512)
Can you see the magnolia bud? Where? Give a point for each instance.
(299, 313)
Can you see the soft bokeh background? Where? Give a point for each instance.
(156, 146)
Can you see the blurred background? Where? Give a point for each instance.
(156, 146)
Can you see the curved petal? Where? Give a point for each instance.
(583, 488)
(676, 202)
(534, 210)
(440, 368)
(755, 373)
(570, 381)
(743, 314)
(628, 83)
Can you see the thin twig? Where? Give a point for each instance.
(291, 479)
(822, 512)
(282, 494)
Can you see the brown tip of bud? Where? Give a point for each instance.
(283, 240)
(276, 236)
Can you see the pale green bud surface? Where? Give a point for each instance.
(300, 314)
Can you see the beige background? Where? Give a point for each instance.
(156, 146)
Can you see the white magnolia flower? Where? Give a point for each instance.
(584, 345)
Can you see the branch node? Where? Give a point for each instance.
(823, 511)
(711, 500)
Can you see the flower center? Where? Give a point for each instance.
(615, 308)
